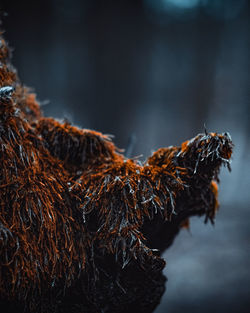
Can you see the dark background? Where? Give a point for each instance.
(153, 72)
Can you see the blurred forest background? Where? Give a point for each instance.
(153, 72)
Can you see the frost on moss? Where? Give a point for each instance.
(82, 227)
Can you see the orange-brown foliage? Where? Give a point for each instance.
(65, 191)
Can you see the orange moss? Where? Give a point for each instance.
(68, 197)
(214, 188)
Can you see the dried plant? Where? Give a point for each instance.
(82, 227)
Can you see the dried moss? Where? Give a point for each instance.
(79, 222)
